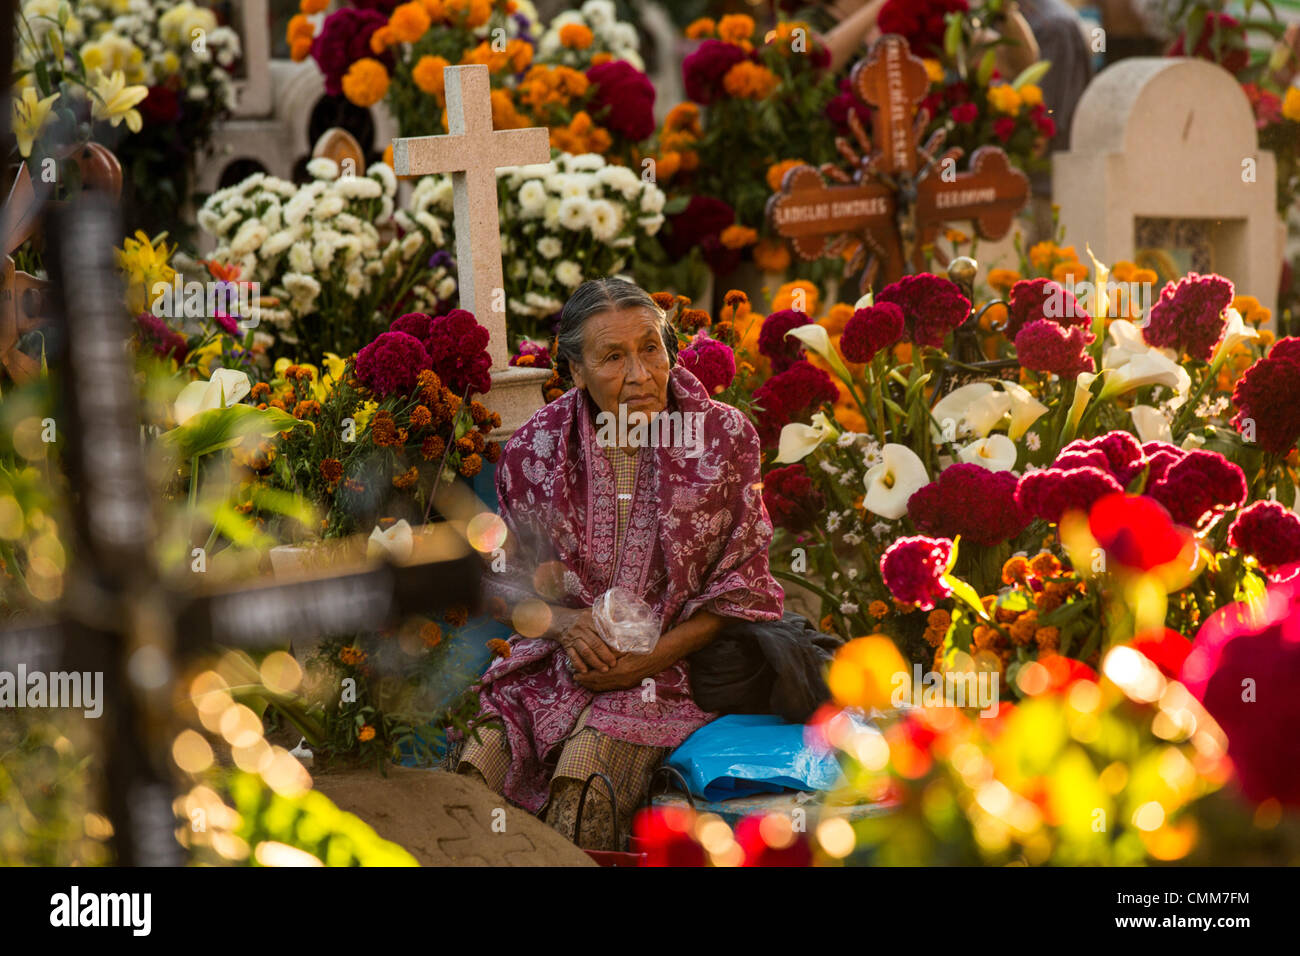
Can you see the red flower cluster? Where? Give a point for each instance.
(1198, 486)
(457, 344)
(624, 97)
(1188, 317)
(700, 224)
(846, 101)
(870, 330)
(1044, 346)
(1263, 644)
(913, 570)
(1051, 492)
(532, 355)
(152, 332)
(1267, 397)
(345, 38)
(1269, 533)
(1034, 299)
(703, 70)
(789, 395)
(1135, 531)
(711, 361)
(921, 22)
(792, 500)
(392, 363)
(782, 352)
(1223, 31)
(932, 306)
(1116, 452)
(967, 500)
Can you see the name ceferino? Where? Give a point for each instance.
(949, 689)
(72, 909)
(56, 689)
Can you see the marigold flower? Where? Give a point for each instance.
(1045, 565)
(771, 255)
(420, 416)
(1022, 630)
(1031, 94)
(748, 80)
(366, 82)
(1291, 104)
(1048, 638)
(701, 28)
(331, 469)
(352, 656)
(498, 647)
(428, 74)
(877, 609)
(433, 447)
(409, 22)
(457, 615)
(737, 237)
(735, 28)
(471, 465)
(576, 36)
(776, 172)
(407, 479)
(430, 634)
(1003, 98)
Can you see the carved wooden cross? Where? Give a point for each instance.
(900, 193)
(472, 152)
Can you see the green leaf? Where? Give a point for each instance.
(952, 35)
(967, 594)
(988, 62)
(1285, 489)
(1031, 74)
(219, 428)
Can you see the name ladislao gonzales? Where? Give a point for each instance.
(77, 909)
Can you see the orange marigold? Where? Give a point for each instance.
(493, 452)
(576, 36)
(692, 320)
(776, 172)
(431, 634)
(939, 618)
(428, 75)
(420, 416)
(352, 656)
(407, 479)
(701, 28)
(433, 447)
(471, 465)
(259, 391)
(877, 609)
(307, 408)
(1045, 565)
(409, 22)
(498, 647)
(1048, 638)
(366, 733)
(736, 28)
(331, 469)
(1014, 571)
(457, 615)
(771, 255)
(748, 80)
(383, 430)
(1022, 630)
(738, 237)
(1001, 280)
(366, 82)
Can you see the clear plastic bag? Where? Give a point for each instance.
(626, 622)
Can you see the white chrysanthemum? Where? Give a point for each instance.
(583, 162)
(356, 283)
(621, 178)
(328, 207)
(301, 286)
(599, 13)
(228, 222)
(443, 193)
(411, 244)
(322, 254)
(652, 199)
(359, 187)
(623, 38)
(551, 214)
(532, 197)
(322, 167)
(568, 273)
(574, 213)
(651, 224)
(384, 174)
(532, 171)
(277, 243)
(517, 269)
(385, 209)
(606, 219)
(297, 208)
(300, 259)
(446, 287)
(249, 238)
(208, 220)
(549, 247)
(539, 274)
(432, 226)
(543, 302)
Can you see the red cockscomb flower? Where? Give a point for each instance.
(1044, 346)
(967, 500)
(791, 394)
(913, 570)
(1201, 484)
(772, 342)
(932, 306)
(391, 363)
(1269, 532)
(1165, 648)
(792, 500)
(1034, 299)
(457, 345)
(623, 100)
(1188, 316)
(871, 329)
(711, 361)
(413, 323)
(1121, 455)
(703, 70)
(1051, 492)
(920, 22)
(1223, 31)
(1267, 397)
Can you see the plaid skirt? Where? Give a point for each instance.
(584, 752)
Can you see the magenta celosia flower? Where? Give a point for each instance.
(1199, 485)
(1044, 346)
(703, 70)
(413, 323)
(791, 394)
(1188, 317)
(772, 342)
(457, 344)
(932, 306)
(152, 332)
(532, 355)
(967, 500)
(913, 570)
(870, 330)
(1267, 397)
(1259, 644)
(1051, 492)
(1269, 532)
(711, 361)
(1034, 299)
(1161, 456)
(792, 500)
(344, 38)
(1120, 452)
(391, 363)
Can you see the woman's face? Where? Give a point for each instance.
(624, 363)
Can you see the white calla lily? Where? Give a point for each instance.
(865, 302)
(950, 412)
(1234, 333)
(397, 542)
(799, 441)
(900, 475)
(225, 388)
(815, 338)
(1025, 409)
(1150, 368)
(1082, 396)
(996, 453)
(1152, 424)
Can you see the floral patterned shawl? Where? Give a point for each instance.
(696, 537)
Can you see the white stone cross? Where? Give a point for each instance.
(472, 152)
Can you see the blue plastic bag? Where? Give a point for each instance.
(743, 754)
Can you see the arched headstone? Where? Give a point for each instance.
(1164, 156)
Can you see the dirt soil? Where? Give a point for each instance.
(446, 819)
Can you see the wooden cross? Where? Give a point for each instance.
(116, 617)
(472, 152)
(899, 194)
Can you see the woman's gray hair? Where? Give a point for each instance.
(597, 296)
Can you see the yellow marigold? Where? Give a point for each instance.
(776, 172)
(366, 82)
(738, 237)
(684, 117)
(576, 36)
(1265, 337)
(498, 647)
(1251, 311)
(366, 733)
(1043, 254)
(736, 28)
(934, 70)
(407, 479)
(1076, 271)
(701, 28)
(409, 22)
(1291, 104)
(747, 80)
(878, 609)
(428, 75)
(1031, 94)
(1004, 99)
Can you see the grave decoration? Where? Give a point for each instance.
(885, 213)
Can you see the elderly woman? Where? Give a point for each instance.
(681, 526)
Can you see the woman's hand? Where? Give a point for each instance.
(629, 671)
(587, 650)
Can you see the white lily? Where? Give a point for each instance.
(889, 484)
(1152, 424)
(996, 453)
(799, 441)
(1234, 333)
(817, 339)
(1128, 343)
(1150, 368)
(1025, 409)
(225, 388)
(978, 406)
(397, 542)
(1082, 396)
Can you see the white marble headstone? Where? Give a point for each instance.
(1172, 139)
